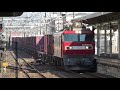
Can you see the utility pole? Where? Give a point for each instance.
(24, 34)
(64, 19)
(46, 21)
(9, 39)
(16, 53)
(73, 15)
(40, 22)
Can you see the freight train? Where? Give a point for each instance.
(72, 50)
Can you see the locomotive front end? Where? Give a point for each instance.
(79, 50)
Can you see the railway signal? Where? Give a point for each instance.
(5, 64)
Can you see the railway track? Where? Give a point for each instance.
(32, 68)
(27, 70)
(58, 71)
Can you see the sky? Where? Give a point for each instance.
(35, 17)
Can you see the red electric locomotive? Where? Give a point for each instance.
(75, 50)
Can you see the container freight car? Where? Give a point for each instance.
(31, 45)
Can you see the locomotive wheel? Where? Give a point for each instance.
(48, 59)
(93, 71)
(55, 61)
(43, 59)
(51, 60)
(59, 61)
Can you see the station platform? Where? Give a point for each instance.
(108, 66)
(108, 61)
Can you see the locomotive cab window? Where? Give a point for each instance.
(70, 37)
(82, 37)
(87, 37)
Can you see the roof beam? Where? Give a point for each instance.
(10, 14)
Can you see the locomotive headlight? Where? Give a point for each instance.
(70, 47)
(67, 48)
(87, 47)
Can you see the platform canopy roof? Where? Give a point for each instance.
(100, 17)
(10, 14)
